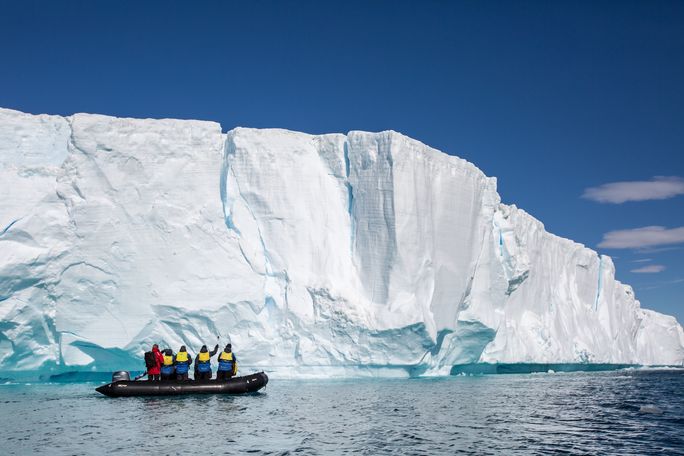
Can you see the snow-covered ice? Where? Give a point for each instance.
(365, 253)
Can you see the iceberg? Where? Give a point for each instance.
(315, 255)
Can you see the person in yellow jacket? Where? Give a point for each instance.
(182, 361)
(227, 367)
(168, 371)
(203, 363)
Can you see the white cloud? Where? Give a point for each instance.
(652, 250)
(648, 236)
(658, 285)
(650, 269)
(658, 188)
(643, 260)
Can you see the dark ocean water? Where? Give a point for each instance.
(637, 412)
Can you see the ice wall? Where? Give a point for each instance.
(316, 255)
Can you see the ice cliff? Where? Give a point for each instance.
(316, 255)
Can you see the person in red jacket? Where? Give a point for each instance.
(154, 370)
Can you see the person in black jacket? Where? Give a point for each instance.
(203, 363)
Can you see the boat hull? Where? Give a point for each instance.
(236, 385)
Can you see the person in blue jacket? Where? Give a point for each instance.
(182, 362)
(203, 363)
(227, 367)
(168, 370)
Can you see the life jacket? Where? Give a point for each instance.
(182, 357)
(167, 367)
(203, 364)
(226, 362)
(182, 363)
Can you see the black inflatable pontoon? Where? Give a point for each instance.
(237, 385)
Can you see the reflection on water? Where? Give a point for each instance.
(627, 412)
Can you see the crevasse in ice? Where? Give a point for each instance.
(365, 253)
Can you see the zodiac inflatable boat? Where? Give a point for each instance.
(122, 386)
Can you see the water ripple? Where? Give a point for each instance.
(627, 413)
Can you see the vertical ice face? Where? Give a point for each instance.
(131, 267)
(317, 255)
(31, 233)
(420, 218)
(101, 264)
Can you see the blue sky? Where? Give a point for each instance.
(552, 98)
